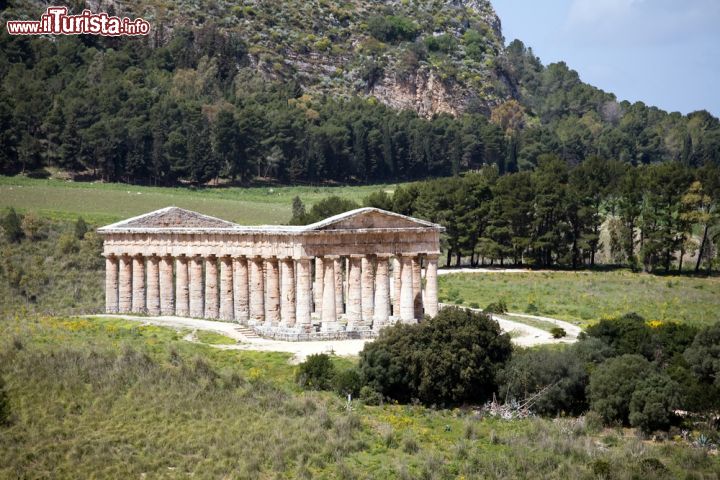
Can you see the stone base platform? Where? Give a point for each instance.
(316, 333)
(289, 336)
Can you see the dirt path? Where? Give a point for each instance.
(523, 335)
(448, 271)
(526, 335)
(300, 350)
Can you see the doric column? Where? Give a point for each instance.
(240, 290)
(407, 306)
(397, 281)
(167, 296)
(257, 291)
(367, 282)
(125, 285)
(339, 303)
(227, 308)
(329, 313)
(138, 284)
(182, 287)
(111, 284)
(272, 299)
(431, 285)
(417, 287)
(382, 294)
(319, 283)
(153, 285)
(304, 287)
(354, 301)
(211, 287)
(195, 275)
(287, 289)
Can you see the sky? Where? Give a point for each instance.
(665, 53)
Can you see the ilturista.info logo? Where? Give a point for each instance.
(56, 21)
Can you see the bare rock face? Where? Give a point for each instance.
(425, 93)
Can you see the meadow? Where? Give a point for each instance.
(587, 296)
(97, 398)
(102, 203)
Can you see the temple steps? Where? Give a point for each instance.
(246, 332)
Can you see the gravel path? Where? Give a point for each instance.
(300, 350)
(523, 335)
(448, 271)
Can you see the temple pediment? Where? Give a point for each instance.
(172, 218)
(371, 218)
(179, 220)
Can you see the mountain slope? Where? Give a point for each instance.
(429, 56)
(316, 91)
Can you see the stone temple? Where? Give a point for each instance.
(347, 276)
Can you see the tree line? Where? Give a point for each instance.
(651, 217)
(193, 110)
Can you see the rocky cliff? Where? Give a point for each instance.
(437, 56)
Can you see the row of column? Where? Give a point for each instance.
(272, 292)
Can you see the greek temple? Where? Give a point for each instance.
(347, 276)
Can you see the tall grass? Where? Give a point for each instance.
(110, 399)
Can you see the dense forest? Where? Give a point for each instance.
(652, 217)
(194, 108)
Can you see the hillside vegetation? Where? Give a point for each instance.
(321, 91)
(89, 397)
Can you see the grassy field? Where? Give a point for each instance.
(105, 203)
(584, 297)
(94, 398)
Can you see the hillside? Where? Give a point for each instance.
(321, 91)
(430, 57)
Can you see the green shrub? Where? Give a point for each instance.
(497, 307)
(558, 332)
(445, 43)
(316, 373)
(348, 382)
(392, 28)
(474, 305)
(612, 385)
(593, 422)
(653, 402)
(652, 467)
(11, 224)
(703, 355)
(81, 228)
(474, 42)
(380, 199)
(370, 396)
(451, 360)
(601, 468)
(67, 244)
(325, 208)
(630, 334)
(33, 227)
